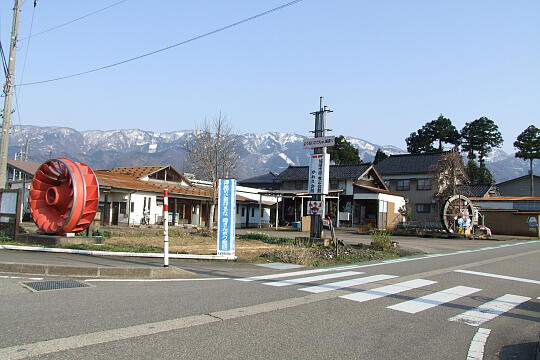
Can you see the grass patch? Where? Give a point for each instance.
(322, 256)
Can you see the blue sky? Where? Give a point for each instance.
(384, 67)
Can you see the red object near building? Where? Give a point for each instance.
(64, 196)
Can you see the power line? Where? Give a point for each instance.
(267, 12)
(74, 20)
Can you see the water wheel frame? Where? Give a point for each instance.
(457, 206)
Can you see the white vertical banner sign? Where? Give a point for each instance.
(165, 228)
(226, 218)
(319, 171)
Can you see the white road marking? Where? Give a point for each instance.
(427, 302)
(489, 310)
(35, 278)
(347, 283)
(294, 273)
(476, 349)
(312, 278)
(153, 280)
(280, 266)
(499, 276)
(387, 290)
(385, 262)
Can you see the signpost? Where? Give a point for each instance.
(317, 142)
(319, 168)
(226, 218)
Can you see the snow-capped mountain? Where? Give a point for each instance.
(259, 153)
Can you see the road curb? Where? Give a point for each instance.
(98, 271)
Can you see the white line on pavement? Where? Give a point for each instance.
(490, 310)
(387, 290)
(313, 278)
(152, 280)
(427, 302)
(347, 283)
(294, 273)
(385, 262)
(476, 349)
(498, 276)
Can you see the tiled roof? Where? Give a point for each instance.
(28, 167)
(507, 198)
(377, 190)
(264, 178)
(528, 176)
(479, 190)
(408, 164)
(138, 171)
(121, 181)
(336, 172)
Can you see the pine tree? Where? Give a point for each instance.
(343, 153)
(419, 142)
(442, 131)
(439, 130)
(528, 145)
(379, 156)
(480, 136)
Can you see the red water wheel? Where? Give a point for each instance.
(64, 196)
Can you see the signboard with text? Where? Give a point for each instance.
(319, 170)
(315, 207)
(226, 217)
(312, 143)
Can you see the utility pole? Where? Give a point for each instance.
(8, 91)
(316, 229)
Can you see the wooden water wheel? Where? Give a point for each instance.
(457, 210)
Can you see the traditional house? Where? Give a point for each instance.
(266, 181)
(520, 186)
(133, 195)
(357, 195)
(411, 176)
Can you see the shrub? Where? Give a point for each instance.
(381, 240)
(364, 228)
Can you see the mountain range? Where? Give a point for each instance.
(259, 153)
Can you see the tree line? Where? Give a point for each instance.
(477, 139)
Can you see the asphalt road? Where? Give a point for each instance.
(474, 303)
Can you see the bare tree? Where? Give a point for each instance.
(449, 174)
(213, 154)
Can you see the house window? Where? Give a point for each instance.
(334, 184)
(423, 208)
(243, 211)
(262, 213)
(123, 208)
(132, 206)
(252, 212)
(237, 210)
(298, 185)
(403, 185)
(423, 184)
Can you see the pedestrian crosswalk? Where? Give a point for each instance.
(474, 317)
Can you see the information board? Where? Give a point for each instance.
(319, 170)
(226, 218)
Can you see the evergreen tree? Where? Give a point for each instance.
(478, 174)
(480, 136)
(379, 156)
(439, 130)
(343, 153)
(442, 131)
(419, 142)
(528, 145)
